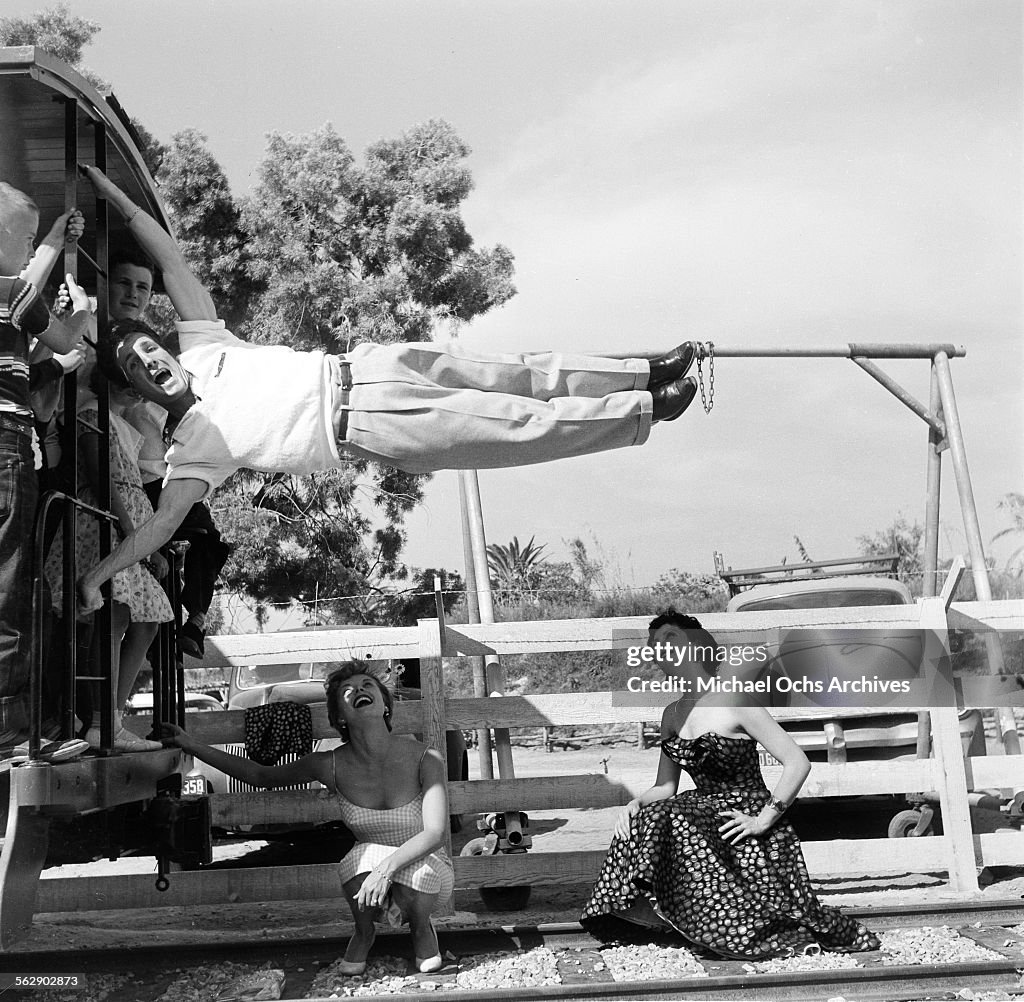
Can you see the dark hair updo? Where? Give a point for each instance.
(337, 678)
(692, 625)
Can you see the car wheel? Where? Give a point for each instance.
(904, 823)
(498, 899)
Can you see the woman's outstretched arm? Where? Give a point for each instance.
(309, 767)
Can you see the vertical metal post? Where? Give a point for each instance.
(979, 569)
(177, 552)
(104, 618)
(930, 585)
(69, 443)
(485, 756)
(495, 676)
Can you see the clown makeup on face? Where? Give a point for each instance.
(153, 372)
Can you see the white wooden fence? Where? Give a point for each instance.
(957, 852)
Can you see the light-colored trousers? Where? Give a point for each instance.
(424, 407)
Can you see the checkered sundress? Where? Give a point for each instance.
(379, 832)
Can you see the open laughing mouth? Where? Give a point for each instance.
(362, 700)
(161, 376)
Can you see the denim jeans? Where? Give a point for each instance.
(19, 495)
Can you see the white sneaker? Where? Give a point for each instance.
(125, 740)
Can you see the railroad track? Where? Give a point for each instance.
(150, 972)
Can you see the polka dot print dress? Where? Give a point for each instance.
(747, 901)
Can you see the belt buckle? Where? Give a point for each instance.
(341, 400)
(15, 423)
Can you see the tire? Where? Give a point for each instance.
(498, 899)
(903, 824)
(474, 847)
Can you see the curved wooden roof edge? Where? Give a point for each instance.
(36, 64)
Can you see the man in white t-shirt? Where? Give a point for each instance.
(418, 407)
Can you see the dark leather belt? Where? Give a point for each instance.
(15, 422)
(342, 392)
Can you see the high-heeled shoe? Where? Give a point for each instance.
(427, 965)
(351, 967)
(430, 964)
(354, 967)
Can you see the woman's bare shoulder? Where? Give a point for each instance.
(321, 765)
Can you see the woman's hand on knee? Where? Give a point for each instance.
(625, 819)
(741, 826)
(374, 889)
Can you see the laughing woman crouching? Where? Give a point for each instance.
(393, 796)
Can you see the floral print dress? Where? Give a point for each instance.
(135, 586)
(747, 901)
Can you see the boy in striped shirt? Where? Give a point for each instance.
(22, 317)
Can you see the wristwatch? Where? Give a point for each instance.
(780, 805)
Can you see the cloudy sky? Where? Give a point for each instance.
(761, 173)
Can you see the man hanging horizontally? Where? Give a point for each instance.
(417, 407)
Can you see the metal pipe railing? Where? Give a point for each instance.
(853, 349)
(908, 399)
(72, 506)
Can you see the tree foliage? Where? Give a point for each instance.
(207, 223)
(55, 30)
(152, 150)
(691, 593)
(1013, 505)
(515, 570)
(320, 264)
(325, 254)
(906, 540)
(418, 601)
(373, 253)
(334, 254)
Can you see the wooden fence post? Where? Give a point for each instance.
(949, 754)
(432, 687)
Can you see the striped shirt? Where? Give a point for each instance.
(22, 316)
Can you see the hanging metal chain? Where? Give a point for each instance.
(709, 400)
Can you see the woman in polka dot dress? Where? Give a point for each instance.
(718, 864)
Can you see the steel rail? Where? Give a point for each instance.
(725, 980)
(557, 935)
(908, 981)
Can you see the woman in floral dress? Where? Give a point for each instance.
(140, 603)
(718, 864)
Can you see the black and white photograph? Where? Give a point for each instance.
(515, 500)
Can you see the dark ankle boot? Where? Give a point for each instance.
(190, 640)
(671, 399)
(672, 365)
